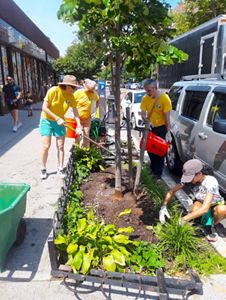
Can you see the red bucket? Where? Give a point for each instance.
(155, 144)
(69, 132)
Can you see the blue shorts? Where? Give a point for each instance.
(49, 128)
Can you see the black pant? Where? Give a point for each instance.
(157, 162)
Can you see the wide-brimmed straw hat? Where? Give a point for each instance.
(69, 80)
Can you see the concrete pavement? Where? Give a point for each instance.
(27, 274)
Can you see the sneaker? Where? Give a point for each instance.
(19, 125)
(61, 173)
(14, 128)
(212, 237)
(43, 174)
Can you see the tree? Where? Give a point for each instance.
(192, 13)
(133, 33)
(80, 60)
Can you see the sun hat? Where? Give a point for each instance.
(90, 83)
(190, 168)
(69, 80)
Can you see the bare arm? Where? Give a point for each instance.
(200, 211)
(144, 116)
(171, 192)
(76, 115)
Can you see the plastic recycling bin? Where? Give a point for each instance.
(12, 208)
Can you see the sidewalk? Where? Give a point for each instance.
(27, 275)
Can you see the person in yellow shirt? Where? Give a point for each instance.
(155, 108)
(85, 98)
(56, 103)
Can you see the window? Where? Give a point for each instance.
(138, 97)
(174, 95)
(193, 103)
(218, 108)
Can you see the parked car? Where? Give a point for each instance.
(198, 121)
(132, 99)
(134, 86)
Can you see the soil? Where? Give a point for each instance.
(99, 193)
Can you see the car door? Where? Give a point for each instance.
(189, 118)
(126, 102)
(210, 145)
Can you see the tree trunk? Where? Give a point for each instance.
(116, 72)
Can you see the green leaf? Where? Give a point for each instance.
(60, 239)
(126, 211)
(120, 238)
(87, 259)
(77, 261)
(128, 229)
(118, 257)
(109, 263)
(81, 225)
(90, 215)
(72, 248)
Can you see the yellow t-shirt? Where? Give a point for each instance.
(162, 106)
(59, 101)
(84, 100)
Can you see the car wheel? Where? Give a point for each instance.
(133, 122)
(173, 161)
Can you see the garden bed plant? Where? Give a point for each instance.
(96, 231)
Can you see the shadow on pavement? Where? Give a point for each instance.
(23, 261)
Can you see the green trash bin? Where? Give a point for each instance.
(12, 208)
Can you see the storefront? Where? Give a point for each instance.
(25, 57)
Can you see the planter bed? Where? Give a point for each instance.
(163, 286)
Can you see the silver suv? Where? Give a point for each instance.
(198, 122)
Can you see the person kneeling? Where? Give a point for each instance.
(208, 201)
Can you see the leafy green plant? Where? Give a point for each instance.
(146, 258)
(176, 239)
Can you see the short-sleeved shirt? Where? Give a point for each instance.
(59, 101)
(209, 185)
(162, 106)
(84, 101)
(11, 92)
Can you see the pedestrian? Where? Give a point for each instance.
(85, 97)
(56, 103)
(208, 203)
(155, 108)
(43, 90)
(28, 103)
(13, 94)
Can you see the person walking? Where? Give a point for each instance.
(43, 90)
(12, 95)
(85, 97)
(56, 103)
(155, 108)
(208, 203)
(28, 103)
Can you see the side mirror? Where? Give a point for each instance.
(220, 126)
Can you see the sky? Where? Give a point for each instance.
(44, 14)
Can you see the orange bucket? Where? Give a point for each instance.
(69, 132)
(155, 144)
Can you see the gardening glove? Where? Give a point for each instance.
(60, 122)
(79, 129)
(169, 137)
(163, 213)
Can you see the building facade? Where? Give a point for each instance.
(25, 52)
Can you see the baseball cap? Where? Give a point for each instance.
(190, 168)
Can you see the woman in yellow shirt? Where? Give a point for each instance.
(84, 99)
(56, 103)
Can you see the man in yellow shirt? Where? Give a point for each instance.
(56, 103)
(155, 108)
(85, 98)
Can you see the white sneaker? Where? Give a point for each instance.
(14, 128)
(19, 125)
(43, 174)
(61, 173)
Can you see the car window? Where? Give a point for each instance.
(138, 97)
(193, 103)
(218, 108)
(174, 95)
